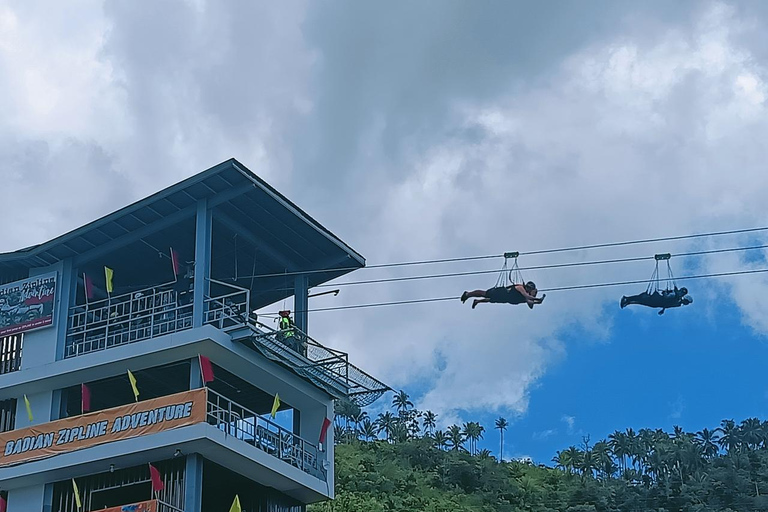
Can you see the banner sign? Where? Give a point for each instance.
(84, 431)
(144, 506)
(27, 304)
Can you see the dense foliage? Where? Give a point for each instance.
(415, 467)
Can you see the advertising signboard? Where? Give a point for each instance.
(27, 304)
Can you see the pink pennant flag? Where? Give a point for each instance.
(86, 402)
(157, 481)
(324, 429)
(206, 369)
(88, 287)
(175, 262)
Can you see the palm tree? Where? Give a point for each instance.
(601, 453)
(501, 425)
(620, 448)
(473, 431)
(357, 420)
(751, 432)
(707, 440)
(484, 454)
(731, 436)
(563, 460)
(368, 430)
(440, 439)
(402, 403)
(386, 423)
(430, 422)
(456, 437)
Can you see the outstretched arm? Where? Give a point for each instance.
(528, 297)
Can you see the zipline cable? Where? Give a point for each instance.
(492, 256)
(560, 288)
(535, 267)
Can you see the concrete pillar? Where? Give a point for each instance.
(203, 229)
(193, 483)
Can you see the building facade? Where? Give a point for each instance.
(135, 373)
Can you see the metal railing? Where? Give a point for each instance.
(328, 368)
(10, 353)
(235, 420)
(127, 318)
(145, 314)
(167, 507)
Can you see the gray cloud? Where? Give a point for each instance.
(413, 131)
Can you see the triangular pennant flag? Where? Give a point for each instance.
(77, 495)
(236, 505)
(175, 262)
(108, 273)
(3, 504)
(133, 385)
(275, 405)
(85, 391)
(88, 284)
(157, 481)
(206, 369)
(324, 429)
(29, 409)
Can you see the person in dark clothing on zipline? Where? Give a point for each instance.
(515, 294)
(664, 299)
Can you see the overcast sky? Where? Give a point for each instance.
(417, 130)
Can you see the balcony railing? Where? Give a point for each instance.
(248, 426)
(10, 353)
(126, 318)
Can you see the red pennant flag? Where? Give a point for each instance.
(175, 262)
(206, 369)
(3, 504)
(324, 429)
(88, 287)
(157, 481)
(86, 402)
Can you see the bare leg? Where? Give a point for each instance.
(475, 293)
(479, 301)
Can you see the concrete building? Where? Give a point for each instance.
(166, 289)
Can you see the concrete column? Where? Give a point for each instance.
(193, 483)
(203, 229)
(26, 499)
(301, 302)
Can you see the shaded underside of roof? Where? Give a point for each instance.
(256, 230)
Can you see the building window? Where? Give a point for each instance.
(7, 415)
(10, 353)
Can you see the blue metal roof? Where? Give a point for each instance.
(285, 237)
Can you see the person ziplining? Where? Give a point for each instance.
(509, 288)
(653, 297)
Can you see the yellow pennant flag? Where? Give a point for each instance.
(29, 409)
(77, 495)
(275, 405)
(236, 505)
(133, 385)
(108, 273)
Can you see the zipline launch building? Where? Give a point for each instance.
(135, 375)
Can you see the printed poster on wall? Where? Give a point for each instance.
(27, 304)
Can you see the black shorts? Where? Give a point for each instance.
(501, 295)
(497, 295)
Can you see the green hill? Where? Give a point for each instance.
(419, 468)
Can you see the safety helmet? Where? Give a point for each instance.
(285, 313)
(530, 285)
